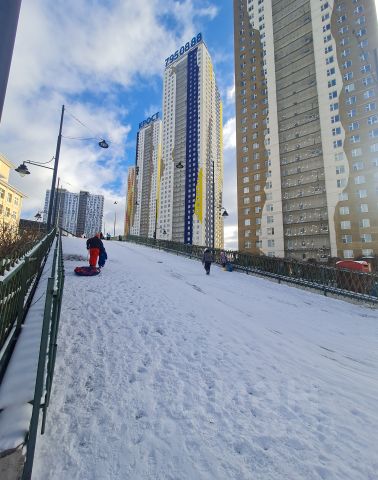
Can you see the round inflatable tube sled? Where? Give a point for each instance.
(87, 271)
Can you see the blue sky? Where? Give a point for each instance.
(104, 60)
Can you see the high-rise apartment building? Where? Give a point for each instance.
(191, 173)
(78, 213)
(145, 193)
(307, 127)
(130, 200)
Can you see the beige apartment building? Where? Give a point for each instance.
(130, 200)
(10, 197)
(307, 127)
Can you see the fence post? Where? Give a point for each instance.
(26, 475)
(24, 276)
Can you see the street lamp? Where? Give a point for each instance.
(38, 217)
(224, 214)
(23, 170)
(115, 218)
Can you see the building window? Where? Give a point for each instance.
(356, 152)
(351, 100)
(344, 210)
(364, 208)
(346, 238)
(360, 179)
(365, 223)
(366, 68)
(366, 238)
(370, 107)
(348, 253)
(345, 225)
(358, 166)
(369, 94)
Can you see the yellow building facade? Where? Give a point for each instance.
(10, 197)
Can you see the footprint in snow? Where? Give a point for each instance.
(140, 414)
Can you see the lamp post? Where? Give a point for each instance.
(115, 218)
(23, 170)
(156, 217)
(55, 171)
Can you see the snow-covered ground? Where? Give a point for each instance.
(166, 373)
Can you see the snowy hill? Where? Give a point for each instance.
(166, 373)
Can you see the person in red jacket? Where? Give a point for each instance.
(94, 245)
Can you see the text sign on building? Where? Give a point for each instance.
(183, 49)
(148, 120)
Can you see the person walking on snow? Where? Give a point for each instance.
(94, 245)
(207, 259)
(223, 259)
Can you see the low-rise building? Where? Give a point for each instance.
(10, 197)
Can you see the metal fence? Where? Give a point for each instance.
(47, 354)
(17, 286)
(348, 283)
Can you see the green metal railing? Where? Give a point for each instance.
(348, 283)
(47, 354)
(17, 285)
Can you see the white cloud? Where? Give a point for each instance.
(229, 133)
(151, 110)
(231, 94)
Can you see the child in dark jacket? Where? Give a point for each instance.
(207, 259)
(102, 257)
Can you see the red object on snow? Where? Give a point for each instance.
(359, 265)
